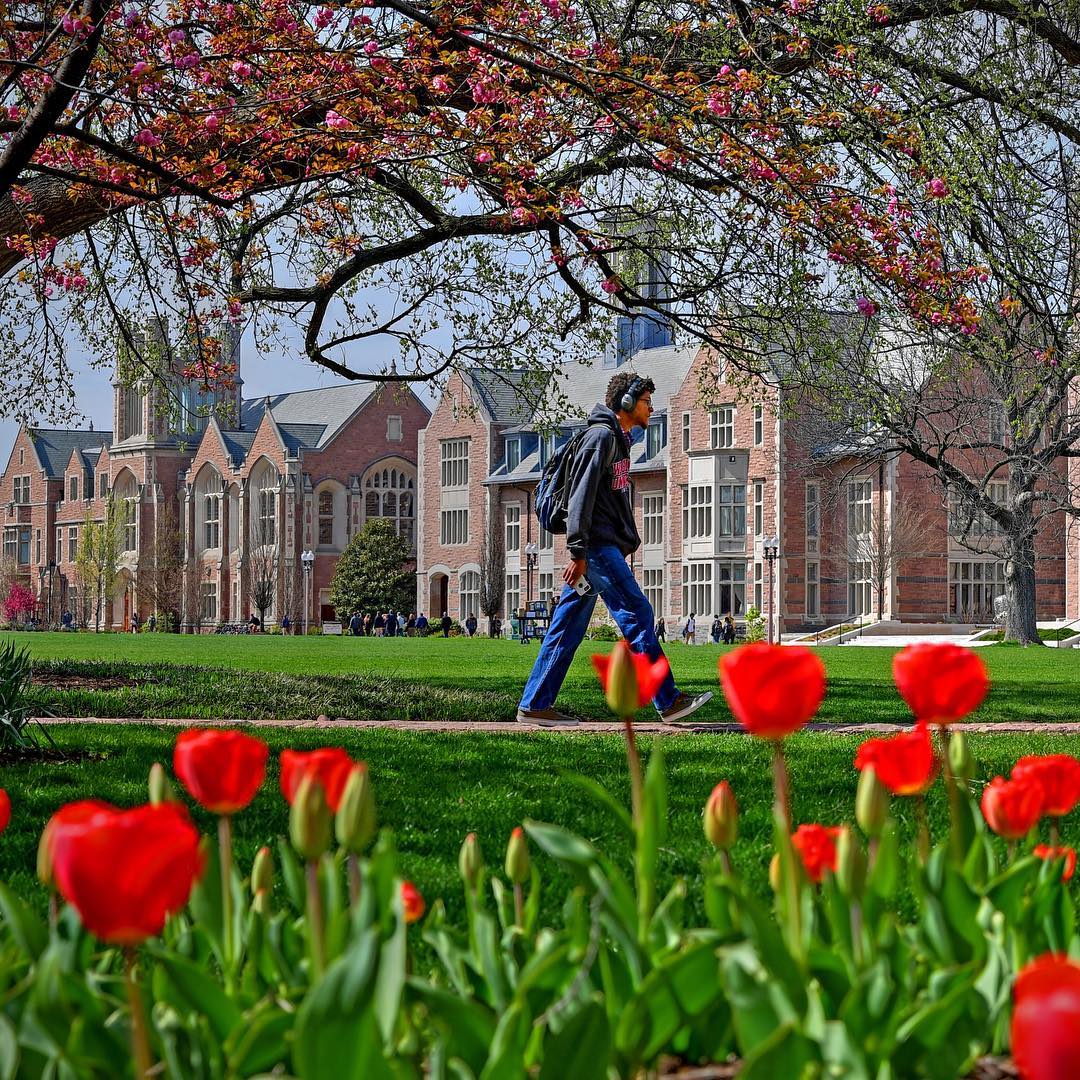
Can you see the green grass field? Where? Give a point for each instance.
(432, 789)
(466, 679)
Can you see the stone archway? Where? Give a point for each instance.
(438, 596)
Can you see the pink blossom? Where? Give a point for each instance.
(323, 17)
(212, 122)
(611, 285)
(241, 70)
(177, 36)
(485, 157)
(139, 68)
(371, 48)
(442, 84)
(937, 188)
(189, 61)
(336, 121)
(147, 138)
(866, 306)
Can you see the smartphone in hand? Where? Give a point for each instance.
(582, 586)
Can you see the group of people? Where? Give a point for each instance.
(722, 631)
(397, 624)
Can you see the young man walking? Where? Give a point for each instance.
(600, 535)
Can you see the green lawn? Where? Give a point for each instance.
(464, 679)
(433, 789)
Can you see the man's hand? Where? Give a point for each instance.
(574, 569)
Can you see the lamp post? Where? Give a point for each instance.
(530, 565)
(41, 590)
(307, 559)
(52, 570)
(205, 591)
(771, 549)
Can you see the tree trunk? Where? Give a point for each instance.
(1020, 624)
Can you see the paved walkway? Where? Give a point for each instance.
(487, 727)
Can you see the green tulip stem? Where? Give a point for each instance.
(54, 908)
(633, 759)
(1010, 850)
(315, 920)
(1053, 832)
(871, 852)
(856, 933)
(956, 840)
(225, 857)
(354, 879)
(140, 1039)
(924, 828)
(519, 905)
(780, 784)
(725, 862)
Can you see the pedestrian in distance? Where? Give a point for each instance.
(661, 629)
(729, 630)
(421, 624)
(355, 624)
(446, 623)
(286, 624)
(410, 625)
(716, 631)
(470, 625)
(391, 625)
(690, 629)
(379, 624)
(585, 491)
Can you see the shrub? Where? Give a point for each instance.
(19, 603)
(16, 670)
(755, 625)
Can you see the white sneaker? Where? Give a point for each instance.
(546, 718)
(683, 706)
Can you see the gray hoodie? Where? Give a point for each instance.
(600, 507)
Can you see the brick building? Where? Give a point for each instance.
(247, 484)
(860, 532)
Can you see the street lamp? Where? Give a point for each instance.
(41, 590)
(307, 559)
(52, 570)
(771, 549)
(530, 564)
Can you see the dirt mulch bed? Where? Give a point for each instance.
(83, 682)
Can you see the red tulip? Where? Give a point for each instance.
(1012, 807)
(1045, 851)
(816, 845)
(5, 809)
(645, 675)
(1059, 777)
(904, 764)
(124, 871)
(331, 767)
(413, 902)
(221, 769)
(940, 683)
(772, 689)
(1046, 1019)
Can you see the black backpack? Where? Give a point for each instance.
(553, 491)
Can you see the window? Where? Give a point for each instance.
(24, 546)
(972, 588)
(211, 521)
(685, 431)
(997, 424)
(652, 520)
(732, 588)
(722, 427)
(454, 527)
(759, 507)
(813, 511)
(21, 452)
(266, 521)
(513, 594)
(860, 588)
(133, 413)
(393, 429)
(654, 438)
(37, 547)
(653, 582)
(11, 543)
(209, 601)
(813, 598)
(21, 490)
(547, 540)
(547, 586)
(697, 588)
(128, 524)
(73, 542)
(732, 509)
(758, 593)
(860, 510)
(391, 493)
(513, 529)
(454, 463)
(326, 519)
(965, 520)
(547, 449)
(759, 425)
(513, 454)
(469, 594)
(698, 512)
(103, 485)
(73, 488)
(88, 485)
(58, 551)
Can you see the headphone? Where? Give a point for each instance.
(633, 392)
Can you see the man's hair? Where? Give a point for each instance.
(622, 382)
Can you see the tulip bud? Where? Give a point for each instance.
(517, 857)
(262, 871)
(850, 863)
(44, 860)
(621, 692)
(355, 821)
(774, 873)
(961, 761)
(871, 803)
(309, 819)
(721, 817)
(161, 791)
(470, 861)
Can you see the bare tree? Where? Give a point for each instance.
(492, 575)
(192, 610)
(161, 565)
(261, 562)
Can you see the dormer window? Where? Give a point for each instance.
(654, 437)
(513, 454)
(73, 488)
(547, 449)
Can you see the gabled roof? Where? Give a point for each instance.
(507, 397)
(237, 443)
(309, 419)
(54, 446)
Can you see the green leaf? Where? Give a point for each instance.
(507, 1058)
(292, 874)
(784, 1053)
(26, 928)
(390, 981)
(467, 1027)
(1006, 891)
(9, 1049)
(337, 1035)
(603, 798)
(260, 1042)
(885, 875)
(191, 989)
(581, 1048)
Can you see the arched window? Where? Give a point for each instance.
(469, 594)
(264, 486)
(390, 493)
(126, 492)
(326, 518)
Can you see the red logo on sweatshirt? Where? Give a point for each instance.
(620, 475)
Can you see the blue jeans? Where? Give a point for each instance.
(611, 578)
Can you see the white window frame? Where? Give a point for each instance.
(209, 607)
(759, 583)
(512, 524)
(513, 454)
(685, 431)
(129, 528)
(759, 507)
(20, 490)
(652, 519)
(546, 584)
(759, 425)
(722, 427)
(394, 430)
(652, 582)
(73, 488)
(547, 540)
(860, 587)
(267, 516)
(697, 589)
(731, 500)
(468, 594)
(512, 594)
(813, 588)
(454, 463)
(211, 520)
(698, 512)
(973, 584)
(453, 527)
(860, 507)
(73, 543)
